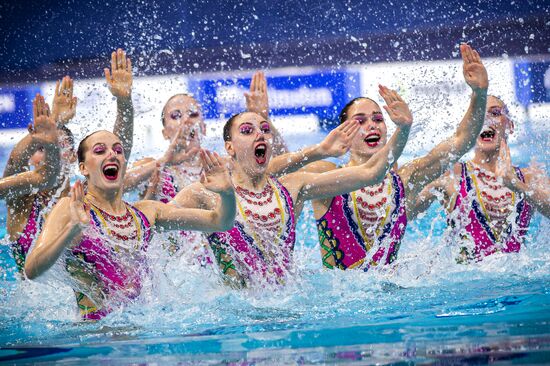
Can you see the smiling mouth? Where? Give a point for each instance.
(259, 153)
(110, 171)
(487, 135)
(372, 139)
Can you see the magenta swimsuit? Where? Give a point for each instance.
(476, 225)
(343, 240)
(34, 224)
(252, 258)
(112, 264)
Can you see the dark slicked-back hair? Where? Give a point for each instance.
(69, 135)
(228, 125)
(344, 113)
(168, 101)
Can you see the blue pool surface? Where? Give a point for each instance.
(427, 309)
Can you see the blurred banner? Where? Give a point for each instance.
(16, 106)
(532, 80)
(322, 93)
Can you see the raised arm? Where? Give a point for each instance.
(119, 81)
(349, 179)
(64, 104)
(535, 189)
(422, 171)
(216, 179)
(63, 228)
(43, 134)
(177, 153)
(257, 101)
(337, 143)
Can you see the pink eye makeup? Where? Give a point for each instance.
(118, 149)
(246, 129)
(495, 112)
(265, 128)
(377, 117)
(99, 149)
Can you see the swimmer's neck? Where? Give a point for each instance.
(244, 179)
(486, 160)
(107, 200)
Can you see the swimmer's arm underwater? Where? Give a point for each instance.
(119, 81)
(422, 171)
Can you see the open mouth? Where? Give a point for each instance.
(110, 171)
(372, 139)
(259, 152)
(487, 135)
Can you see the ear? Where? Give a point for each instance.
(229, 148)
(165, 134)
(510, 127)
(83, 170)
(203, 128)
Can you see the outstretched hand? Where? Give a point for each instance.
(504, 169)
(64, 104)
(215, 176)
(178, 150)
(44, 129)
(475, 73)
(77, 210)
(338, 141)
(396, 107)
(257, 100)
(119, 77)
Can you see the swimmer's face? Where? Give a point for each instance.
(373, 132)
(250, 143)
(104, 163)
(183, 111)
(496, 127)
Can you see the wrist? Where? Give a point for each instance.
(124, 100)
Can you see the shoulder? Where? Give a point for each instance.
(149, 208)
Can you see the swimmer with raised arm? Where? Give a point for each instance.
(490, 201)
(365, 227)
(259, 247)
(26, 210)
(102, 240)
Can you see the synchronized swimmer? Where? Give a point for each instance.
(240, 210)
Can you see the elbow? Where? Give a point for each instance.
(30, 270)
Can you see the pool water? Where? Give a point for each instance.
(425, 309)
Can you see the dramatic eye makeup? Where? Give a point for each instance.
(176, 114)
(265, 128)
(99, 149)
(118, 149)
(377, 117)
(246, 129)
(495, 112)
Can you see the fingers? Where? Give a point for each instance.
(121, 59)
(35, 107)
(262, 83)
(113, 61)
(466, 52)
(108, 76)
(476, 56)
(129, 65)
(70, 86)
(353, 131)
(253, 86)
(57, 91)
